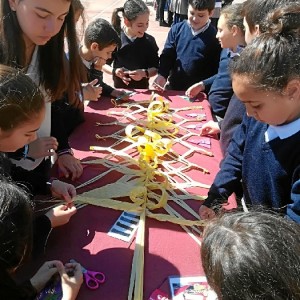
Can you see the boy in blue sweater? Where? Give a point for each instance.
(264, 153)
(191, 52)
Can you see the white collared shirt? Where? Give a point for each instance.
(282, 131)
(129, 37)
(201, 29)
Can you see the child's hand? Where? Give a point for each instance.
(41, 147)
(195, 89)
(122, 73)
(136, 75)
(69, 165)
(44, 274)
(61, 214)
(210, 128)
(71, 280)
(63, 190)
(206, 213)
(159, 83)
(91, 91)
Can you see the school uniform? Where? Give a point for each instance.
(221, 89)
(135, 53)
(93, 73)
(265, 158)
(42, 224)
(189, 57)
(233, 118)
(9, 289)
(60, 119)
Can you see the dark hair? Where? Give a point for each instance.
(57, 74)
(253, 255)
(131, 10)
(202, 4)
(16, 220)
(78, 7)
(20, 99)
(255, 11)
(101, 32)
(272, 59)
(233, 15)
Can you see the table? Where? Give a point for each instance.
(168, 249)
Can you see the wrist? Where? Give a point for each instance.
(68, 151)
(201, 85)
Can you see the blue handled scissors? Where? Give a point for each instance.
(92, 279)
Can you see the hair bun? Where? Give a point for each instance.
(284, 20)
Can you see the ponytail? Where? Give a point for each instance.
(116, 20)
(131, 10)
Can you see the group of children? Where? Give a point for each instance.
(253, 86)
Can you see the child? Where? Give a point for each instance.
(254, 255)
(231, 37)
(38, 48)
(191, 52)
(255, 11)
(137, 58)
(100, 41)
(22, 111)
(264, 152)
(16, 236)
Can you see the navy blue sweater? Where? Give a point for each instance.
(189, 59)
(267, 170)
(97, 74)
(221, 90)
(232, 119)
(142, 53)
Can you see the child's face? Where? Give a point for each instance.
(198, 18)
(138, 27)
(11, 141)
(40, 20)
(271, 107)
(225, 35)
(101, 56)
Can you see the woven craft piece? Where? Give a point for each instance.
(152, 173)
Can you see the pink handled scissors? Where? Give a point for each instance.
(92, 279)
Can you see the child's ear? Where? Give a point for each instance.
(234, 30)
(127, 22)
(211, 13)
(12, 4)
(257, 31)
(292, 89)
(94, 46)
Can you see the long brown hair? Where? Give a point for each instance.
(58, 74)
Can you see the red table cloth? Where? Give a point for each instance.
(169, 250)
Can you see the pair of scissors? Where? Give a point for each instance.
(92, 279)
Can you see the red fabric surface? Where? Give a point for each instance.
(169, 250)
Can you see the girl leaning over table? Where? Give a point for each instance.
(22, 110)
(38, 48)
(264, 152)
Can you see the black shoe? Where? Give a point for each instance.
(163, 24)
